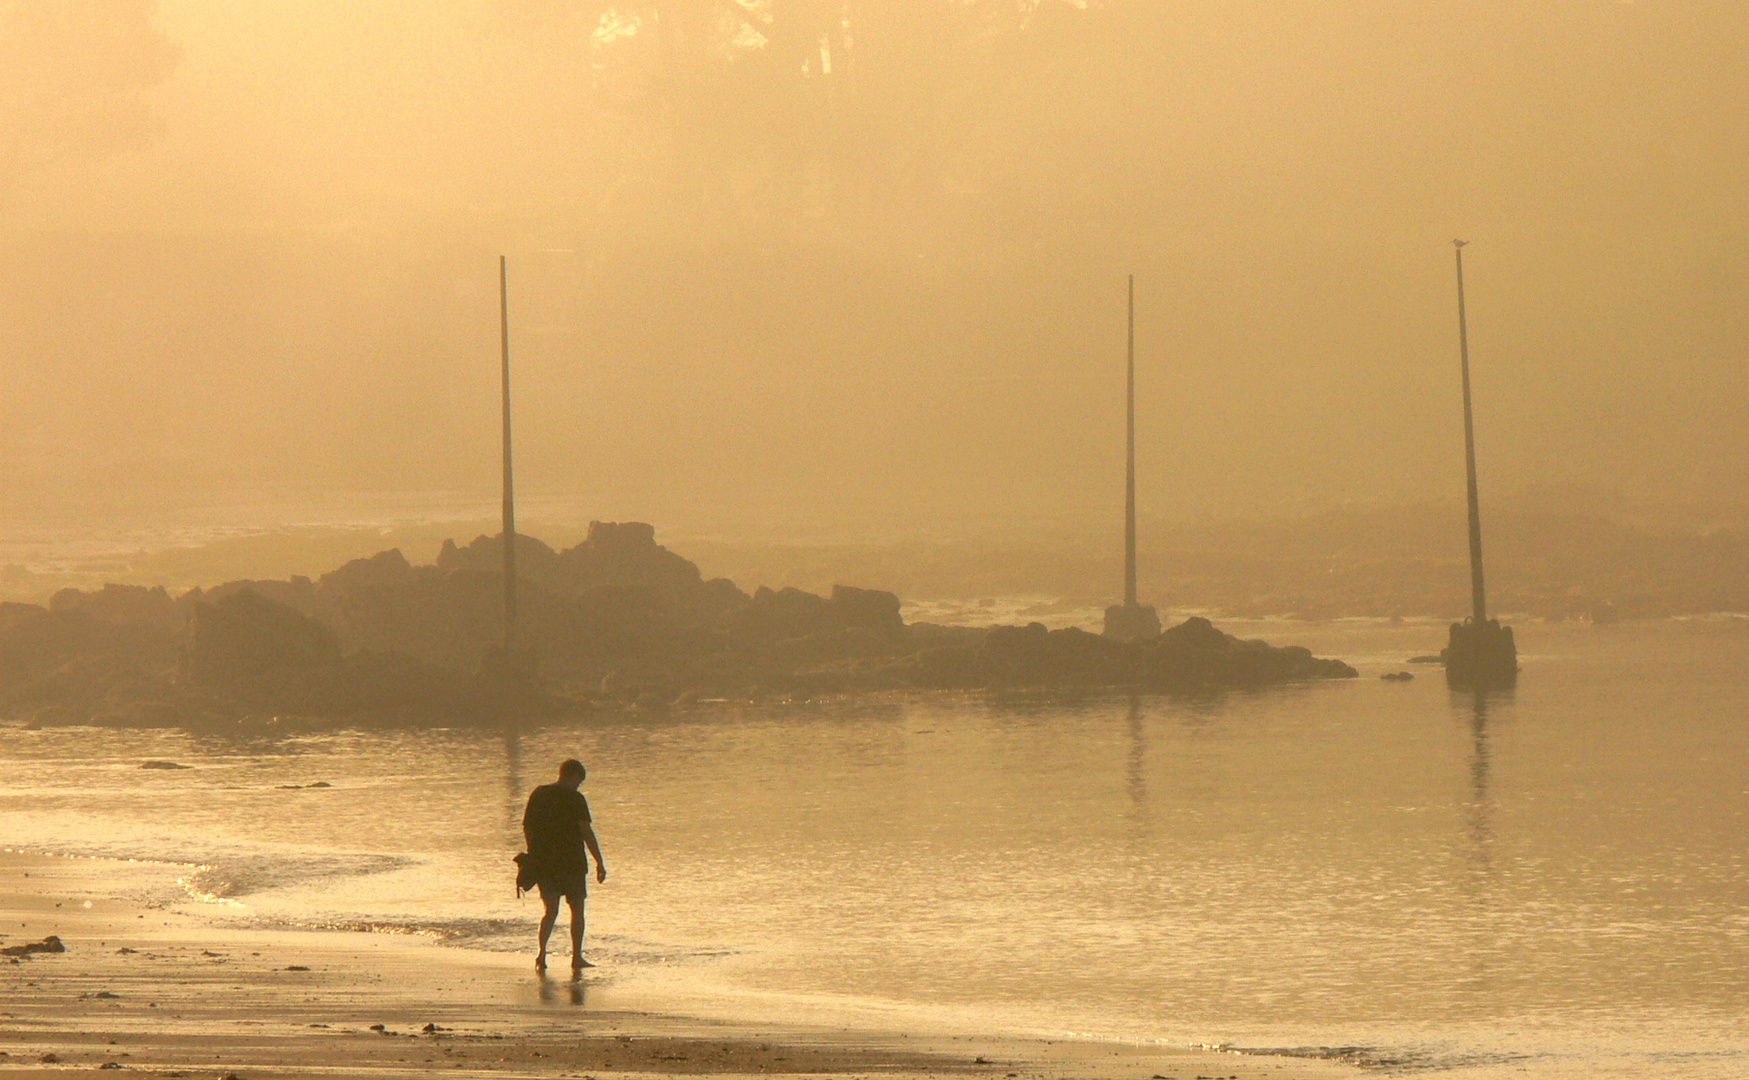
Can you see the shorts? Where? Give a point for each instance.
(574, 888)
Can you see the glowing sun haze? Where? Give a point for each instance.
(863, 262)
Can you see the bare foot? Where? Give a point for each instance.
(578, 963)
(540, 962)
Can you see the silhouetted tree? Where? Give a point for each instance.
(73, 77)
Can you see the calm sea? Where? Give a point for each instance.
(1552, 881)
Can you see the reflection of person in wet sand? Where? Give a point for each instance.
(560, 839)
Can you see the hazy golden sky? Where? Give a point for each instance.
(891, 294)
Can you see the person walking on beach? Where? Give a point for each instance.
(561, 837)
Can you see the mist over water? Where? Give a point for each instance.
(1548, 879)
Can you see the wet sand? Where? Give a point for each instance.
(165, 994)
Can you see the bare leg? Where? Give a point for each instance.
(547, 920)
(577, 961)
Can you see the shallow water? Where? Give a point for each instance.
(1551, 880)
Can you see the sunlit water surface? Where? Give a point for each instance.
(1551, 880)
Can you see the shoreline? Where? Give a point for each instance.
(165, 993)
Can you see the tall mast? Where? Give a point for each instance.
(509, 491)
(1477, 594)
(1129, 508)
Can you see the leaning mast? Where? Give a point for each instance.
(1481, 652)
(1130, 620)
(509, 489)
(1129, 509)
(1478, 594)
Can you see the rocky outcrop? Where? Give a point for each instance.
(69, 664)
(616, 619)
(1192, 655)
(268, 657)
(612, 555)
(248, 644)
(124, 605)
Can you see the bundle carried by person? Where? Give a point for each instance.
(527, 873)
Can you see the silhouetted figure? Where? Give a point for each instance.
(1131, 621)
(560, 838)
(1481, 652)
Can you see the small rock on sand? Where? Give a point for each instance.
(156, 764)
(50, 944)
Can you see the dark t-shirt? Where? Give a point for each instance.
(552, 827)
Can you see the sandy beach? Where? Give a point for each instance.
(166, 994)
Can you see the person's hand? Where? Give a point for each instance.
(600, 873)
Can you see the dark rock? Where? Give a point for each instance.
(1190, 655)
(50, 944)
(626, 553)
(124, 605)
(866, 609)
(246, 641)
(777, 614)
(1196, 632)
(299, 593)
(1012, 639)
(166, 765)
(1480, 656)
(66, 666)
(13, 613)
(1131, 622)
(385, 568)
(1397, 676)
